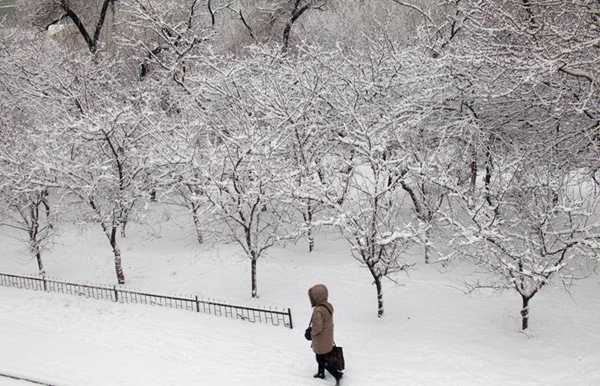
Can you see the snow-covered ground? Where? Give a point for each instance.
(432, 334)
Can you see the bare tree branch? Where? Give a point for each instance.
(414, 7)
(92, 42)
(296, 13)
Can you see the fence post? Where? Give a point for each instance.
(116, 293)
(45, 283)
(290, 315)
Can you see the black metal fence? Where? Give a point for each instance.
(116, 294)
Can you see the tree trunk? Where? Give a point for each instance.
(34, 230)
(379, 286)
(38, 256)
(253, 273)
(253, 258)
(196, 217)
(311, 240)
(307, 215)
(427, 236)
(296, 13)
(525, 313)
(309, 233)
(91, 41)
(117, 253)
(488, 176)
(44, 202)
(124, 217)
(473, 179)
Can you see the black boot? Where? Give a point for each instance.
(320, 373)
(338, 378)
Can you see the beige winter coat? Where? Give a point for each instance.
(322, 320)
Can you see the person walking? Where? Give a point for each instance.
(322, 330)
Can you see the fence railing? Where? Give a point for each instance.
(116, 294)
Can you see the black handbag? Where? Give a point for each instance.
(308, 333)
(336, 358)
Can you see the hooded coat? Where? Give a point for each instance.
(322, 320)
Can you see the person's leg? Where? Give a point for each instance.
(321, 371)
(336, 374)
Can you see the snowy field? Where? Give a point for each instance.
(432, 333)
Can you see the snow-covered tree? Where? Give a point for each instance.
(169, 42)
(243, 164)
(101, 144)
(82, 24)
(542, 225)
(292, 91)
(542, 57)
(373, 116)
(25, 204)
(522, 127)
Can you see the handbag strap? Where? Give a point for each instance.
(322, 305)
(327, 308)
